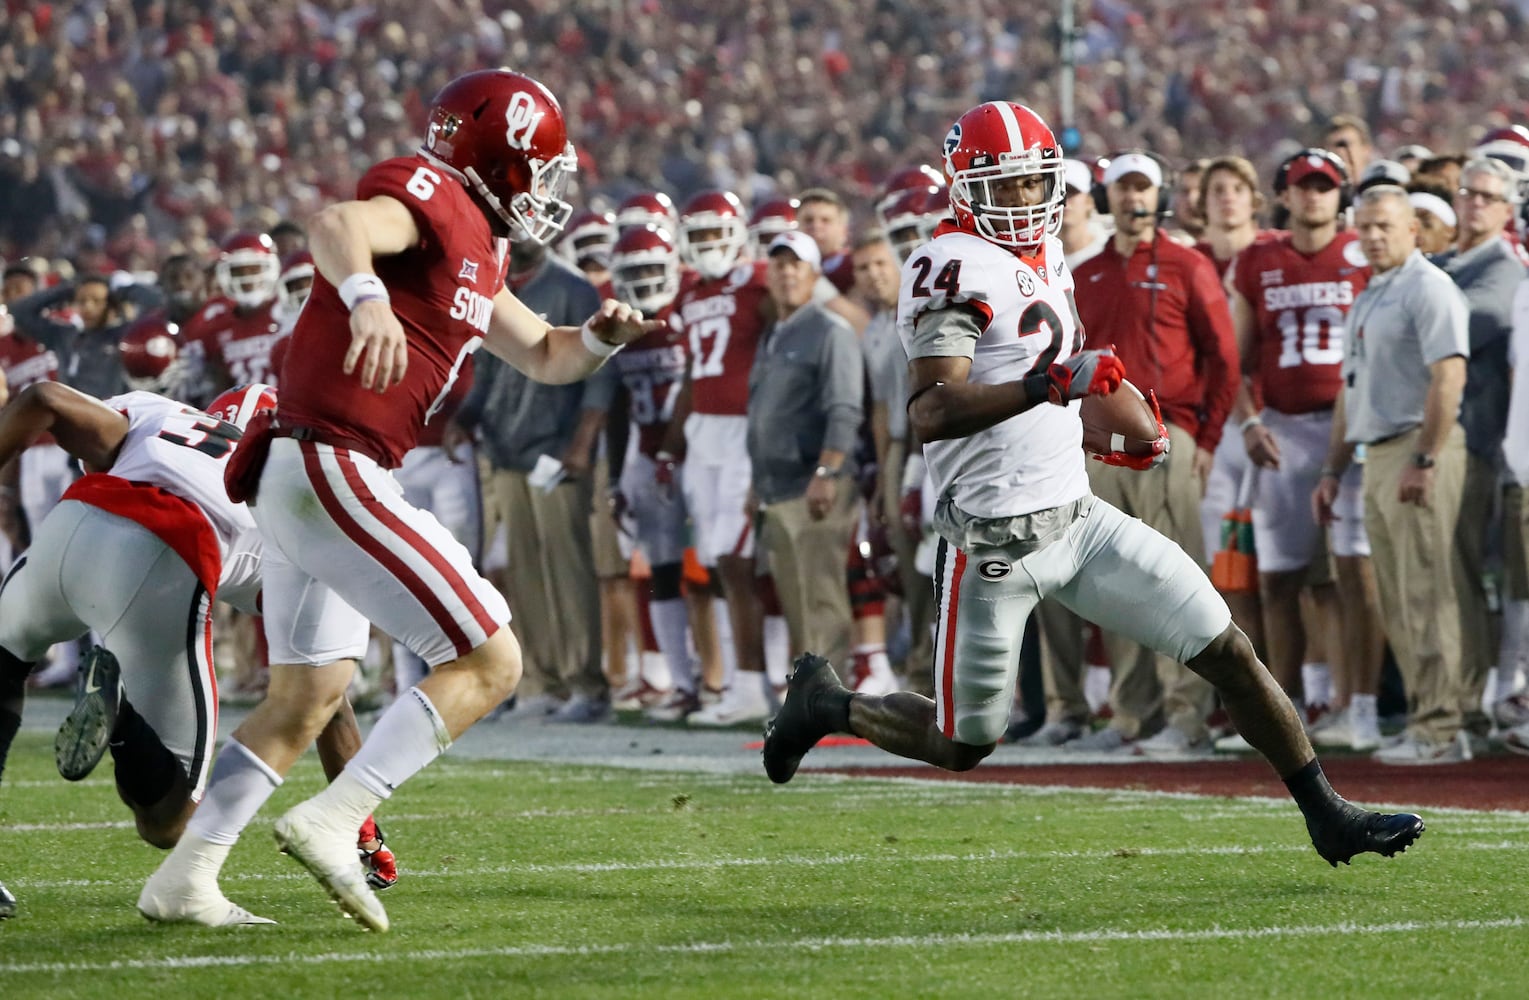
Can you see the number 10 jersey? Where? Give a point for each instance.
(1034, 460)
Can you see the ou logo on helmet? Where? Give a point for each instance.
(521, 119)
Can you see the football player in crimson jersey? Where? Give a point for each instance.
(228, 342)
(410, 282)
(1289, 297)
(153, 497)
(986, 312)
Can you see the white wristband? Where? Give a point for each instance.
(594, 345)
(362, 287)
(1254, 421)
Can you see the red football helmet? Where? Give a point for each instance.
(904, 218)
(908, 179)
(503, 133)
(713, 234)
(294, 283)
(650, 208)
(769, 220)
(996, 142)
(645, 268)
(239, 404)
(1510, 133)
(588, 238)
(247, 269)
(150, 350)
(936, 210)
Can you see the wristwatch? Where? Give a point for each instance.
(824, 472)
(1422, 461)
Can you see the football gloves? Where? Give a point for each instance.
(1085, 373)
(1156, 457)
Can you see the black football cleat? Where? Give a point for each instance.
(797, 727)
(1356, 831)
(7, 903)
(82, 739)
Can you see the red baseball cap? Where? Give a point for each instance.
(1313, 165)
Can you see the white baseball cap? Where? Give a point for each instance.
(799, 243)
(1134, 163)
(1077, 175)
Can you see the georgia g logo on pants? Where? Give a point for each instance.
(521, 119)
(994, 569)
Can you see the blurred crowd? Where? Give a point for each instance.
(157, 160)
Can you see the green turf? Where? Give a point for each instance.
(553, 881)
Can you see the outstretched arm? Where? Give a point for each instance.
(84, 426)
(561, 354)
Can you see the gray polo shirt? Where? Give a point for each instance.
(806, 393)
(887, 363)
(1405, 320)
(87, 359)
(1489, 275)
(518, 418)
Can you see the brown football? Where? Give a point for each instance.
(1125, 412)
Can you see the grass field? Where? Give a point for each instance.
(560, 881)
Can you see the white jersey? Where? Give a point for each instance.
(1032, 461)
(183, 451)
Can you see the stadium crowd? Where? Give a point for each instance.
(158, 161)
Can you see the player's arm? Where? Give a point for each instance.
(943, 404)
(344, 239)
(1262, 448)
(561, 354)
(84, 426)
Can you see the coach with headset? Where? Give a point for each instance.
(1161, 306)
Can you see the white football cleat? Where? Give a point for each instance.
(329, 854)
(164, 902)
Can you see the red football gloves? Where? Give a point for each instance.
(1085, 373)
(1156, 457)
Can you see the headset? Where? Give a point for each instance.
(1345, 189)
(1164, 192)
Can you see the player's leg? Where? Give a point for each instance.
(1135, 580)
(336, 745)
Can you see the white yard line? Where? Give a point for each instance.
(779, 946)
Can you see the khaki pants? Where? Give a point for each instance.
(609, 563)
(809, 560)
(550, 582)
(1515, 545)
(918, 589)
(1478, 647)
(1415, 568)
(1146, 684)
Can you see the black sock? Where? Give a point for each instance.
(10, 724)
(833, 708)
(1312, 793)
(145, 769)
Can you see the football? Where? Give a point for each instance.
(1121, 421)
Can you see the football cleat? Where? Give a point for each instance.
(82, 739)
(797, 728)
(378, 862)
(7, 903)
(1355, 831)
(302, 834)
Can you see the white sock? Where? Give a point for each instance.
(671, 623)
(777, 649)
(408, 668)
(1317, 680)
(875, 658)
(1514, 649)
(409, 735)
(725, 641)
(239, 786)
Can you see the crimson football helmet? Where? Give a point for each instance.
(294, 283)
(1510, 133)
(904, 218)
(588, 238)
(247, 269)
(769, 219)
(649, 208)
(996, 142)
(503, 133)
(908, 179)
(645, 268)
(713, 233)
(237, 405)
(150, 354)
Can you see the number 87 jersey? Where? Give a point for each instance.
(1012, 315)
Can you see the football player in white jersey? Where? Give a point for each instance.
(987, 315)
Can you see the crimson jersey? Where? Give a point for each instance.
(652, 369)
(442, 291)
(1222, 266)
(24, 362)
(1299, 302)
(723, 321)
(839, 268)
(227, 347)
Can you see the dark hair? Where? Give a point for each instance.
(286, 226)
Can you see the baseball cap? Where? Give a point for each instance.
(1414, 151)
(1313, 165)
(1384, 172)
(1134, 163)
(1078, 175)
(799, 243)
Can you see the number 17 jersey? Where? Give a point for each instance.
(1034, 460)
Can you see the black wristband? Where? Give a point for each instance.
(1037, 389)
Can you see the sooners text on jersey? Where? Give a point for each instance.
(1300, 303)
(442, 291)
(652, 369)
(229, 347)
(723, 321)
(1031, 461)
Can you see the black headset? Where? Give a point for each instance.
(1165, 190)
